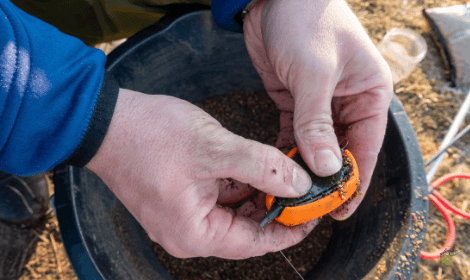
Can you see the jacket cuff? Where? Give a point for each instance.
(99, 123)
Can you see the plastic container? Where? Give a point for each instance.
(193, 59)
(403, 49)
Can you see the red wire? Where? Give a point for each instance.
(451, 207)
(442, 205)
(448, 177)
(447, 204)
(450, 231)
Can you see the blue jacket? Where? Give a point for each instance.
(56, 102)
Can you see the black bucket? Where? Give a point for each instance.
(192, 59)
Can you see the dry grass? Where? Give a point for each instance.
(431, 107)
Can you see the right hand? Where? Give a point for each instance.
(165, 158)
(328, 79)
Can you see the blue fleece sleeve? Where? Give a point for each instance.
(49, 85)
(225, 13)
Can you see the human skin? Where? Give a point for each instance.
(165, 158)
(327, 78)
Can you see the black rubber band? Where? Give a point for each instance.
(272, 214)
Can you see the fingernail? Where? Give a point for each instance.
(326, 161)
(301, 181)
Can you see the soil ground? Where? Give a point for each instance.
(430, 104)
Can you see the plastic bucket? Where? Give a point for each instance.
(193, 59)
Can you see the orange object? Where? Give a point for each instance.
(296, 215)
(292, 152)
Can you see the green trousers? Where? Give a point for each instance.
(97, 21)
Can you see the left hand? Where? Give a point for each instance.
(163, 158)
(327, 78)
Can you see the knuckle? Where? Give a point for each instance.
(212, 154)
(209, 135)
(387, 94)
(311, 129)
(385, 75)
(380, 98)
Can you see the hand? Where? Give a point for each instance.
(328, 79)
(164, 159)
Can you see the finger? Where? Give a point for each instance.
(283, 99)
(232, 191)
(365, 138)
(286, 120)
(263, 167)
(366, 159)
(312, 137)
(246, 210)
(242, 237)
(260, 201)
(285, 138)
(230, 211)
(258, 215)
(313, 127)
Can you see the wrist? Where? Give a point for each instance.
(98, 124)
(110, 142)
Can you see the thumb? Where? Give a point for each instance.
(262, 166)
(315, 135)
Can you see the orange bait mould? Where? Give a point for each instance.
(326, 194)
